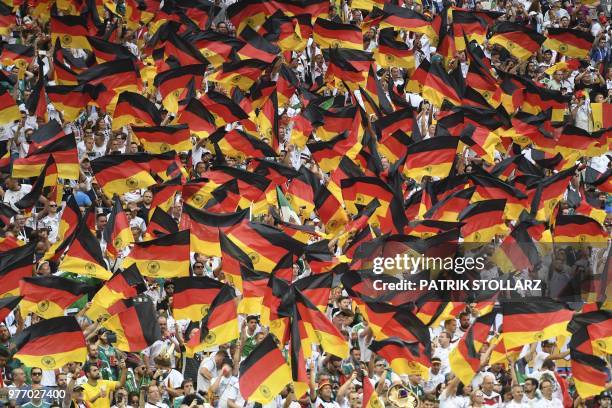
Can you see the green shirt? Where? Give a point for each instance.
(31, 405)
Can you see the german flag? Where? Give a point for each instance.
(392, 53)
(48, 296)
(252, 187)
(242, 74)
(62, 74)
(388, 125)
(481, 141)
(215, 47)
(483, 220)
(18, 55)
(407, 19)
(254, 287)
(225, 198)
(332, 34)
(330, 210)
(267, 121)
(123, 285)
(464, 359)
(204, 227)
(219, 326)
(240, 145)
(316, 288)
(266, 358)
(577, 140)
(36, 104)
(328, 154)
(493, 188)
(164, 257)
(160, 223)
(467, 24)
(577, 228)
(342, 72)
(164, 195)
(71, 31)
(108, 51)
(198, 192)
(134, 109)
(7, 19)
(534, 320)
(9, 112)
(435, 84)
(136, 327)
(5, 157)
(302, 191)
(546, 193)
(63, 150)
(537, 99)
(263, 244)
(593, 328)
(47, 178)
(602, 115)
(233, 259)
(276, 172)
(70, 100)
(200, 120)
(172, 82)
(569, 42)
(405, 358)
(449, 208)
(16, 264)
(432, 157)
(250, 13)
(370, 396)
(7, 304)
(193, 296)
(518, 251)
(257, 47)
(319, 328)
(84, 256)
(51, 344)
(285, 32)
(181, 50)
(590, 374)
(376, 91)
(162, 139)
(121, 173)
(223, 108)
(117, 233)
(521, 41)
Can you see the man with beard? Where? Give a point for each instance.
(464, 324)
(98, 391)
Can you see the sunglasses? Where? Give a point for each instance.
(33, 374)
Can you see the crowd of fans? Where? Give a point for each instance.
(162, 375)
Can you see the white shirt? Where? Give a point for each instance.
(228, 390)
(158, 405)
(11, 197)
(442, 354)
(203, 384)
(453, 401)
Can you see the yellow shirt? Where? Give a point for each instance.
(91, 392)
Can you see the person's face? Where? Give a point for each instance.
(4, 333)
(428, 404)
(147, 197)
(464, 321)
(222, 28)
(93, 351)
(478, 396)
(36, 376)
(19, 376)
(546, 388)
(252, 325)
(188, 388)
(94, 373)
(153, 394)
(20, 220)
(163, 324)
(487, 384)
(354, 400)
(379, 367)
(529, 386)
(443, 339)
(356, 354)
(61, 381)
(198, 269)
(435, 367)
(101, 220)
(326, 391)
(605, 402)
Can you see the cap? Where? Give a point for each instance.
(78, 387)
(323, 384)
